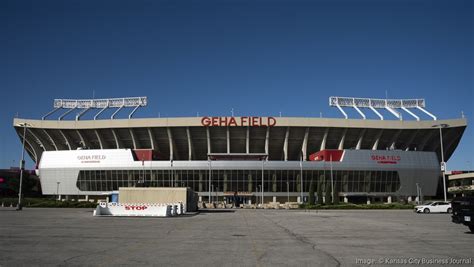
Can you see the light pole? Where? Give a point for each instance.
(443, 164)
(288, 190)
(212, 189)
(418, 193)
(301, 177)
(209, 188)
(332, 180)
(259, 186)
(172, 174)
(22, 166)
(263, 162)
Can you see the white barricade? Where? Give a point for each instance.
(136, 209)
(174, 209)
(180, 208)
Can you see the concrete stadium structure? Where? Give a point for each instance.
(269, 158)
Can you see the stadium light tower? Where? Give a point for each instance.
(22, 165)
(443, 164)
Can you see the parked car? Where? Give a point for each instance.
(463, 211)
(436, 206)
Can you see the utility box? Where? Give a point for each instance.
(160, 195)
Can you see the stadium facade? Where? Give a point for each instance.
(279, 158)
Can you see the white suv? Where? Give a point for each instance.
(437, 206)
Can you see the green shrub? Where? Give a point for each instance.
(46, 203)
(349, 206)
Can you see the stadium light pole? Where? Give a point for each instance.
(418, 193)
(172, 174)
(209, 188)
(443, 164)
(301, 177)
(332, 180)
(263, 162)
(22, 166)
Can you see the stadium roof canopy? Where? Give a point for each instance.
(194, 138)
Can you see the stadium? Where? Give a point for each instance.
(261, 159)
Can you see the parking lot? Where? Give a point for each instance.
(234, 237)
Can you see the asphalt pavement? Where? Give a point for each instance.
(236, 237)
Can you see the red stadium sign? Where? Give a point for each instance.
(238, 121)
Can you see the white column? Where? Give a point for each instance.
(190, 145)
(117, 140)
(341, 143)
(170, 139)
(208, 134)
(136, 143)
(325, 137)
(150, 135)
(68, 143)
(361, 137)
(267, 140)
(285, 144)
(304, 147)
(377, 140)
(247, 141)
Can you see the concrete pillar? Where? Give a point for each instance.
(200, 198)
(250, 202)
(410, 199)
(368, 201)
(87, 197)
(274, 199)
(298, 199)
(346, 200)
(389, 199)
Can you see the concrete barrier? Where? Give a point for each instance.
(138, 209)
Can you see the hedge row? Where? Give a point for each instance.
(348, 206)
(46, 203)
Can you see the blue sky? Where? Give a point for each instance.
(257, 57)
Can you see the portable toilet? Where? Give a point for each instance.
(114, 197)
